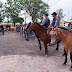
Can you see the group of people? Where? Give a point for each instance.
(46, 22)
(23, 30)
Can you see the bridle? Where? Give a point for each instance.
(57, 38)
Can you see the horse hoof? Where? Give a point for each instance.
(56, 49)
(63, 54)
(63, 64)
(70, 69)
(46, 55)
(40, 49)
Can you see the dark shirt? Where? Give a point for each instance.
(55, 22)
(46, 23)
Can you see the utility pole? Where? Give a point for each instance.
(25, 18)
(68, 15)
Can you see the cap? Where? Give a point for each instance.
(46, 14)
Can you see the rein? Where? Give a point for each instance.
(59, 38)
(59, 34)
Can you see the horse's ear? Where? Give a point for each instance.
(52, 27)
(57, 27)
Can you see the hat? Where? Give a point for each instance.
(54, 13)
(46, 14)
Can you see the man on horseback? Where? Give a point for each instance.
(56, 20)
(46, 23)
(55, 23)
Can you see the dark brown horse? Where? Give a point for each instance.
(42, 33)
(66, 37)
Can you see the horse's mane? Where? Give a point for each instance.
(40, 25)
(63, 28)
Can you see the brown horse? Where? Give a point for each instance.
(66, 37)
(42, 33)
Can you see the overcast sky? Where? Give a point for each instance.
(66, 5)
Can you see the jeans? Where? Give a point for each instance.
(2, 32)
(32, 33)
(22, 32)
(27, 36)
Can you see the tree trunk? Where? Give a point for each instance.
(33, 19)
(14, 23)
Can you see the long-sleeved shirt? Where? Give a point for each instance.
(46, 22)
(42, 21)
(55, 22)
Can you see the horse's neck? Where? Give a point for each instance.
(39, 30)
(63, 34)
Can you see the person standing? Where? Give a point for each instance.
(2, 30)
(26, 33)
(46, 22)
(42, 20)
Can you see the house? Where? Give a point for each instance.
(9, 26)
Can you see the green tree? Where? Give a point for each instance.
(1, 12)
(19, 20)
(12, 10)
(35, 8)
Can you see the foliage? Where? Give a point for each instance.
(19, 20)
(0, 12)
(35, 8)
(11, 10)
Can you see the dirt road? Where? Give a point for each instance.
(19, 55)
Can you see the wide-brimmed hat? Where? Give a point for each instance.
(54, 13)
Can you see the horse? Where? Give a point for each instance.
(42, 34)
(40, 47)
(66, 38)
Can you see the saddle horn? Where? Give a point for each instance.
(57, 27)
(52, 27)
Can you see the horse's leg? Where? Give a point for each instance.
(71, 61)
(46, 51)
(65, 58)
(39, 42)
(36, 40)
(64, 52)
(57, 46)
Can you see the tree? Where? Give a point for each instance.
(0, 12)
(12, 10)
(35, 8)
(20, 20)
(60, 13)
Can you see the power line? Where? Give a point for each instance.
(55, 3)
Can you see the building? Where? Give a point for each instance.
(9, 26)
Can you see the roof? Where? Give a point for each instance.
(9, 23)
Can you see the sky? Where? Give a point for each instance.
(66, 5)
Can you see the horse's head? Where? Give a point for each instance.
(32, 27)
(54, 36)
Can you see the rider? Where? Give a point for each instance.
(55, 23)
(56, 20)
(42, 20)
(46, 22)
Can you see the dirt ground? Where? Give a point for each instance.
(19, 55)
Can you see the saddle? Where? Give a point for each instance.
(48, 30)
